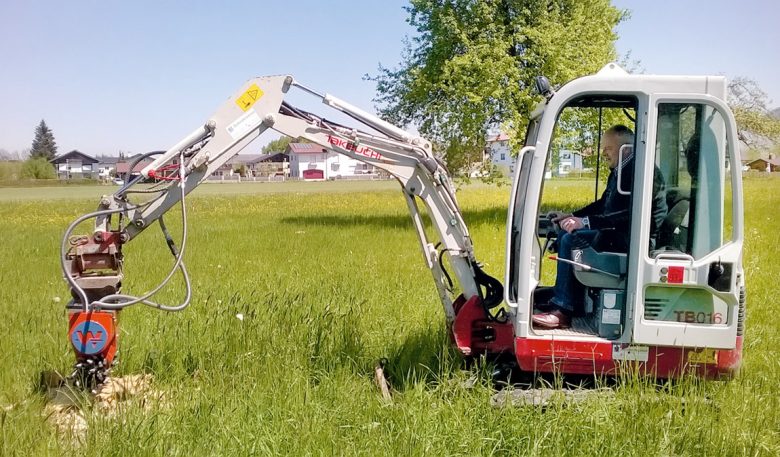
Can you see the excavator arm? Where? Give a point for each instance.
(93, 264)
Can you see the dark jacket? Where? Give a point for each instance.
(613, 209)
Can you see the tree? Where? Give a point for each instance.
(749, 104)
(6, 156)
(473, 63)
(278, 145)
(43, 145)
(38, 168)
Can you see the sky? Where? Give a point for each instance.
(138, 76)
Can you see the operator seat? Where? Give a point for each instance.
(673, 233)
(607, 256)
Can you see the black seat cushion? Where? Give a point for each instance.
(673, 235)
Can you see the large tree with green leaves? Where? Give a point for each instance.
(472, 64)
(750, 106)
(278, 145)
(43, 145)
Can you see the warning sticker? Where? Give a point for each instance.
(706, 355)
(244, 124)
(248, 98)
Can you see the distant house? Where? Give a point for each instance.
(75, 165)
(123, 167)
(313, 162)
(569, 161)
(106, 167)
(236, 165)
(772, 164)
(500, 155)
(272, 164)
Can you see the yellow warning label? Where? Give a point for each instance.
(706, 355)
(248, 98)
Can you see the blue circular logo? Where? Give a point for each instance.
(89, 337)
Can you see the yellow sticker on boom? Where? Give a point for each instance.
(248, 98)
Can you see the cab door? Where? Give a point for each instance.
(689, 279)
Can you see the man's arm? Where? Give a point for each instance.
(592, 209)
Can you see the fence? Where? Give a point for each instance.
(237, 178)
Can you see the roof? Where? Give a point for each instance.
(305, 148)
(74, 155)
(242, 158)
(108, 160)
(499, 137)
(272, 157)
(775, 162)
(124, 165)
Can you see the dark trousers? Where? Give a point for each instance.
(568, 292)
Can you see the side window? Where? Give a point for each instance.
(692, 160)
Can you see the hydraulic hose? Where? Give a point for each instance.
(121, 301)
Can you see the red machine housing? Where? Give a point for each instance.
(474, 334)
(93, 334)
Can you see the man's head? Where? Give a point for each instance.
(614, 138)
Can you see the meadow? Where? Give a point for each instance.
(328, 279)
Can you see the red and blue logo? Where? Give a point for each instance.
(89, 337)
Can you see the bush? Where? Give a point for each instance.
(10, 171)
(39, 168)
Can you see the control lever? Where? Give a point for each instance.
(584, 266)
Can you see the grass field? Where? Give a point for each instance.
(329, 279)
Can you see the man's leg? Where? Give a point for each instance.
(567, 291)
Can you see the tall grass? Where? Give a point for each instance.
(327, 284)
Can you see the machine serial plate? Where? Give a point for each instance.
(630, 353)
(244, 124)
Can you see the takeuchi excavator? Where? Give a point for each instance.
(666, 308)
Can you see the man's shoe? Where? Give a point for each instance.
(545, 307)
(552, 320)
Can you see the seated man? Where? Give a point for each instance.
(579, 229)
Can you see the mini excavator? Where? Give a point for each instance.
(674, 309)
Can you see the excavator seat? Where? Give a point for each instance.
(606, 256)
(608, 269)
(673, 234)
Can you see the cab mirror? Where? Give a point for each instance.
(543, 87)
(625, 153)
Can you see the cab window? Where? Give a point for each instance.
(691, 153)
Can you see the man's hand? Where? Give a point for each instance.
(571, 223)
(557, 217)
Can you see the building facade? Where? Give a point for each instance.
(75, 165)
(313, 162)
(500, 154)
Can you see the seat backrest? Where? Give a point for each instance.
(673, 233)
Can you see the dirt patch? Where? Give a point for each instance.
(544, 397)
(67, 408)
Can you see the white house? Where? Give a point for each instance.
(312, 162)
(569, 161)
(75, 165)
(500, 154)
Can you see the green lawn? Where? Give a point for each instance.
(329, 279)
(37, 193)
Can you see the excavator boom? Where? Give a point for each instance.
(257, 106)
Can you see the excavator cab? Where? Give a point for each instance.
(668, 290)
